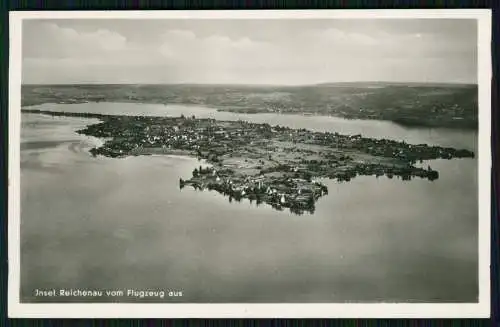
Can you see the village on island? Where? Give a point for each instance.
(276, 165)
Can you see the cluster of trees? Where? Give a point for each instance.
(199, 171)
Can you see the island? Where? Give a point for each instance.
(276, 165)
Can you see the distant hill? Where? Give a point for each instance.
(386, 84)
(409, 104)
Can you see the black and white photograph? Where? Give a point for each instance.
(286, 163)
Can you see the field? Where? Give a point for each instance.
(411, 105)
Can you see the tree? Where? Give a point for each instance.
(310, 202)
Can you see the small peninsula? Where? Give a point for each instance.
(276, 165)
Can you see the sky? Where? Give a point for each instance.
(280, 52)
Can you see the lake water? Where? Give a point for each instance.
(102, 223)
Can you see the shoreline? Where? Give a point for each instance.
(276, 165)
(401, 122)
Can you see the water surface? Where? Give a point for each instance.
(103, 223)
(368, 128)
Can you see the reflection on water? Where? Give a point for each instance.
(123, 223)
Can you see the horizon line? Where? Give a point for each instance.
(254, 85)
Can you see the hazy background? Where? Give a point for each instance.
(249, 51)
